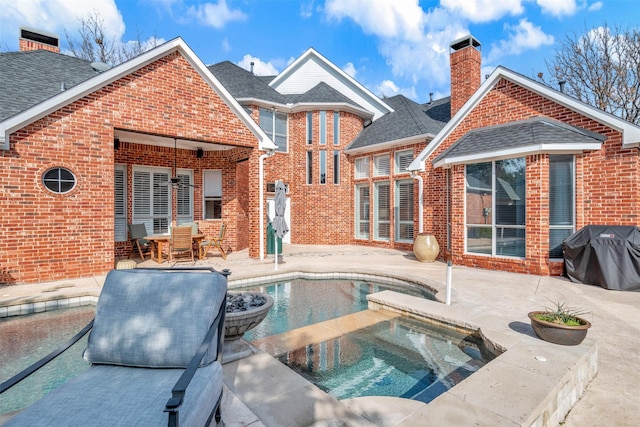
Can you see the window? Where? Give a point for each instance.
(59, 180)
(336, 167)
(323, 127)
(212, 194)
(323, 167)
(362, 211)
(152, 199)
(309, 167)
(381, 165)
(184, 196)
(495, 208)
(402, 161)
(309, 127)
(275, 125)
(404, 211)
(120, 203)
(382, 211)
(336, 128)
(561, 202)
(362, 167)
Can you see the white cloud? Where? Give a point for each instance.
(594, 7)
(384, 18)
(260, 68)
(388, 88)
(215, 15)
(55, 16)
(558, 8)
(306, 9)
(350, 69)
(484, 10)
(522, 37)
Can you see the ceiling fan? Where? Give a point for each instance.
(175, 181)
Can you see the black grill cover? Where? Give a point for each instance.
(608, 256)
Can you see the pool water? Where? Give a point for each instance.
(304, 302)
(26, 339)
(401, 358)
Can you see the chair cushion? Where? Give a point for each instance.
(113, 396)
(150, 318)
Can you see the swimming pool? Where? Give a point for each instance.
(303, 302)
(401, 357)
(26, 339)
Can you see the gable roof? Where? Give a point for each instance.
(408, 122)
(311, 68)
(91, 85)
(30, 77)
(244, 85)
(630, 132)
(535, 135)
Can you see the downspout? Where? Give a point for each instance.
(269, 153)
(415, 175)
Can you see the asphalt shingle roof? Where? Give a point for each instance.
(408, 119)
(322, 93)
(535, 131)
(244, 84)
(31, 77)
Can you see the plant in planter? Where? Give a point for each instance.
(560, 325)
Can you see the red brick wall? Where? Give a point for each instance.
(25, 45)
(465, 76)
(607, 181)
(44, 236)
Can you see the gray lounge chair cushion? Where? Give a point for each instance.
(120, 396)
(139, 323)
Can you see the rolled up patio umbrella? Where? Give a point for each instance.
(279, 224)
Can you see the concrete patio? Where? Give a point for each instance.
(261, 391)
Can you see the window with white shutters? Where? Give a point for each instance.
(152, 199)
(382, 211)
(404, 211)
(120, 203)
(381, 165)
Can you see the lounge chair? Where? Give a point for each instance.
(155, 352)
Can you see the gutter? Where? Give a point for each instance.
(416, 176)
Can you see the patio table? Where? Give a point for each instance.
(161, 239)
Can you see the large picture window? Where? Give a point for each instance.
(561, 202)
(362, 211)
(275, 125)
(495, 208)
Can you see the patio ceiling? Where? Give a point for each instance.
(166, 141)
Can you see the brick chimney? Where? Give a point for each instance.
(465, 60)
(31, 39)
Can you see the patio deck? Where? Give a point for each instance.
(261, 391)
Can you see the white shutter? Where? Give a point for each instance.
(382, 211)
(362, 167)
(185, 197)
(151, 199)
(120, 203)
(381, 165)
(403, 160)
(404, 211)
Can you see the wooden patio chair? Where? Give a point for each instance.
(181, 243)
(138, 232)
(215, 242)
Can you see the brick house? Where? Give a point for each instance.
(86, 150)
(521, 166)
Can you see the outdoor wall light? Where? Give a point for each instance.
(199, 153)
(116, 143)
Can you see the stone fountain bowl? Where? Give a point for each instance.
(238, 322)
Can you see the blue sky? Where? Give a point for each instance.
(390, 46)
